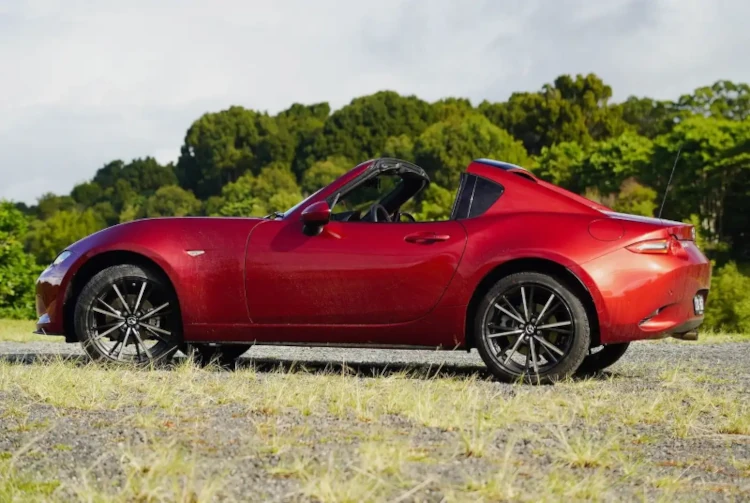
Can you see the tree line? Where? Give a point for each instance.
(242, 162)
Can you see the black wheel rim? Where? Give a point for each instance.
(133, 320)
(529, 329)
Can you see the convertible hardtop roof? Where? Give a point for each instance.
(398, 165)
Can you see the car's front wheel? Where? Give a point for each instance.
(532, 327)
(127, 313)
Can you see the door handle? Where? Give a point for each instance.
(426, 237)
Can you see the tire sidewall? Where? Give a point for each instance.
(95, 285)
(581, 337)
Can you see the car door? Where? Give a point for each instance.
(356, 273)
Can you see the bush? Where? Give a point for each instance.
(18, 270)
(728, 306)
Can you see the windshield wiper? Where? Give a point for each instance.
(274, 215)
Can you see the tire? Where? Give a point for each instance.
(608, 355)
(224, 355)
(128, 314)
(506, 328)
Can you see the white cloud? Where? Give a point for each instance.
(83, 82)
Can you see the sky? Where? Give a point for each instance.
(84, 82)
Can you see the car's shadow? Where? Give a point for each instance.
(413, 370)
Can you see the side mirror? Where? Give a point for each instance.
(316, 216)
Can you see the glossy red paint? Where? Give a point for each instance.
(394, 284)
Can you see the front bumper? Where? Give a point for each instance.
(649, 296)
(51, 287)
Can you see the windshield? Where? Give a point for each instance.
(305, 200)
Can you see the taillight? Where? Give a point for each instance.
(653, 246)
(668, 246)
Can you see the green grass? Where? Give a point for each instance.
(22, 331)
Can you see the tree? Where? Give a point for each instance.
(724, 99)
(171, 201)
(446, 148)
(18, 270)
(220, 147)
(649, 117)
(573, 110)
(87, 194)
(400, 147)
(714, 155)
(47, 238)
(435, 204)
(360, 129)
(324, 172)
(635, 199)
(560, 164)
(49, 204)
(274, 189)
(609, 163)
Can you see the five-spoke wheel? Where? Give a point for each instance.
(531, 326)
(127, 313)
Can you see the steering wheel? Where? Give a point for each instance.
(408, 216)
(377, 213)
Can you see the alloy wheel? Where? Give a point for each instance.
(132, 319)
(529, 329)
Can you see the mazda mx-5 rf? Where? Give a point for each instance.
(541, 281)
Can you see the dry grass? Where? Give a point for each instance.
(385, 437)
(79, 431)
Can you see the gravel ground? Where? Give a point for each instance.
(670, 458)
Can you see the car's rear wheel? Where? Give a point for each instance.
(601, 357)
(532, 327)
(224, 355)
(129, 314)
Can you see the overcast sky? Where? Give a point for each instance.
(83, 82)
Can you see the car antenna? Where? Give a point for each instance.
(669, 183)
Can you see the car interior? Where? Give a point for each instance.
(390, 191)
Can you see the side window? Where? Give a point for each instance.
(485, 195)
(475, 196)
(363, 196)
(463, 197)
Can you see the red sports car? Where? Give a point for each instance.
(542, 282)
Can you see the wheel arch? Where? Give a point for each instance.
(92, 267)
(531, 264)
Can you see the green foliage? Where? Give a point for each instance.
(220, 147)
(560, 164)
(714, 155)
(724, 99)
(171, 200)
(241, 162)
(728, 306)
(446, 147)
(435, 204)
(360, 129)
(609, 163)
(274, 189)
(570, 109)
(324, 172)
(18, 270)
(49, 237)
(635, 199)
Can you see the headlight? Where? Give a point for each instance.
(61, 258)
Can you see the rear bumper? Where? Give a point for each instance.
(649, 296)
